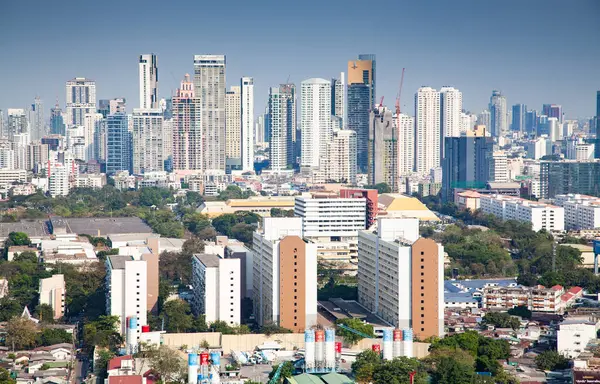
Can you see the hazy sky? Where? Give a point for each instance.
(535, 51)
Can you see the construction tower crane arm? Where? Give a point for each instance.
(398, 97)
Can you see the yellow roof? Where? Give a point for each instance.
(397, 204)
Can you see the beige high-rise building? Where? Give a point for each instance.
(52, 292)
(187, 130)
(147, 136)
(428, 139)
(406, 144)
(383, 148)
(341, 157)
(233, 120)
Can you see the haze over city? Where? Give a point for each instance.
(535, 52)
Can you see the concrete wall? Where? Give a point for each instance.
(250, 341)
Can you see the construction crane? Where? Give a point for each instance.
(355, 331)
(381, 101)
(275, 378)
(399, 94)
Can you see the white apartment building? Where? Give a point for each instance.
(9, 176)
(499, 171)
(96, 181)
(315, 120)
(341, 157)
(283, 260)
(233, 120)
(58, 180)
(81, 100)
(581, 211)
(450, 111)
(401, 276)
(538, 148)
(467, 123)
(126, 282)
(427, 130)
(91, 128)
(7, 158)
(540, 215)
(147, 134)
(406, 144)
(52, 292)
(217, 288)
(574, 334)
(148, 81)
(247, 123)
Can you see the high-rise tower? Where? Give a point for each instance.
(81, 100)
(209, 87)
(498, 114)
(187, 130)
(519, 116)
(450, 113)
(247, 124)
(233, 121)
(315, 120)
(148, 81)
(427, 130)
(360, 100)
(280, 122)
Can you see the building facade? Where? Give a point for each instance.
(147, 140)
(52, 292)
(217, 288)
(357, 117)
(540, 215)
(427, 130)
(340, 166)
(187, 129)
(406, 144)
(119, 156)
(406, 297)
(519, 118)
(247, 123)
(148, 70)
(581, 211)
(498, 114)
(315, 121)
(567, 176)
(383, 148)
(233, 120)
(450, 113)
(81, 100)
(209, 87)
(281, 123)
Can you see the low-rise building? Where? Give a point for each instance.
(536, 299)
(261, 205)
(540, 215)
(467, 199)
(574, 334)
(87, 180)
(52, 292)
(581, 211)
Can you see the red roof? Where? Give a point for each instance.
(575, 290)
(567, 297)
(131, 379)
(557, 287)
(116, 362)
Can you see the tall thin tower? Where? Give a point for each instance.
(81, 100)
(315, 120)
(148, 81)
(247, 123)
(209, 87)
(498, 114)
(427, 130)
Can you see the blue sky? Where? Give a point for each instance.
(534, 51)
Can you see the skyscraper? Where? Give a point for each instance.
(427, 130)
(57, 125)
(519, 118)
(209, 87)
(406, 144)
(118, 144)
(450, 113)
(341, 157)
(81, 100)
(247, 125)
(91, 123)
(338, 97)
(498, 114)
(383, 148)
(315, 120)
(364, 71)
(553, 110)
(281, 126)
(233, 121)
(531, 122)
(359, 105)
(485, 118)
(467, 163)
(187, 130)
(288, 91)
(16, 122)
(37, 125)
(147, 136)
(148, 81)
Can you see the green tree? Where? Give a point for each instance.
(18, 238)
(101, 363)
(356, 324)
(520, 311)
(450, 370)
(167, 363)
(20, 333)
(364, 366)
(51, 336)
(501, 320)
(551, 360)
(45, 313)
(192, 246)
(468, 341)
(175, 267)
(381, 187)
(271, 329)
(5, 377)
(177, 315)
(398, 371)
(103, 333)
(286, 371)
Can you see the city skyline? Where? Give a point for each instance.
(515, 60)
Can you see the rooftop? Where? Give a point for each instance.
(344, 309)
(33, 228)
(102, 226)
(209, 261)
(118, 262)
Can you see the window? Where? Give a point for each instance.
(422, 253)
